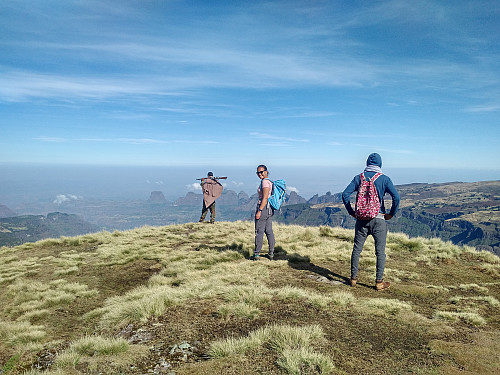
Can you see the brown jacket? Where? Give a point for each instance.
(212, 190)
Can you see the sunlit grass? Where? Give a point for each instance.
(469, 317)
(28, 299)
(492, 301)
(276, 337)
(294, 347)
(181, 265)
(239, 309)
(20, 333)
(108, 355)
(304, 361)
(382, 306)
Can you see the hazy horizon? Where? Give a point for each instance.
(24, 184)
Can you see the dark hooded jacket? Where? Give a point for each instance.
(383, 184)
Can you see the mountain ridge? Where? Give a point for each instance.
(461, 212)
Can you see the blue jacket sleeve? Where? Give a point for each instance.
(395, 197)
(346, 196)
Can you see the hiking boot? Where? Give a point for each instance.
(269, 256)
(354, 281)
(254, 257)
(381, 285)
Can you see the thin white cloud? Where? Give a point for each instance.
(195, 186)
(133, 141)
(62, 198)
(51, 139)
(483, 108)
(277, 138)
(291, 188)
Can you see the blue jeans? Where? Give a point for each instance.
(378, 229)
(264, 225)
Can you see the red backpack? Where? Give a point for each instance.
(367, 201)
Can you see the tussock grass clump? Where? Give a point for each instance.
(247, 294)
(339, 298)
(401, 242)
(19, 334)
(474, 287)
(98, 345)
(469, 317)
(492, 301)
(304, 361)
(48, 372)
(240, 310)
(277, 337)
(398, 275)
(382, 306)
(68, 262)
(339, 233)
(439, 288)
(30, 299)
(484, 256)
(17, 268)
(294, 347)
(108, 355)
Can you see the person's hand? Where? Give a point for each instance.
(257, 215)
(387, 217)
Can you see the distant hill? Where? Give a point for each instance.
(6, 211)
(185, 299)
(157, 197)
(463, 213)
(31, 228)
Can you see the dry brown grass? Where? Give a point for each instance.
(144, 292)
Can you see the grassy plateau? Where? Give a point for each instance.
(185, 299)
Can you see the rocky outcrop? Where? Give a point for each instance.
(294, 198)
(157, 197)
(191, 199)
(327, 198)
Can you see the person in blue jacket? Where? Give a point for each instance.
(376, 227)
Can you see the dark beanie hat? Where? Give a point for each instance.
(374, 159)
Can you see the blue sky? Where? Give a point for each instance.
(286, 83)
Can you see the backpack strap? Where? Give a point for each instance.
(377, 175)
(374, 177)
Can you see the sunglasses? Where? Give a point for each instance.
(260, 172)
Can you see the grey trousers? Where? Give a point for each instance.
(378, 229)
(264, 226)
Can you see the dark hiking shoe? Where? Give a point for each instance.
(269, 256)
(254, 257)
(353, 282)
(381, 285)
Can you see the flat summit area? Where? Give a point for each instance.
(185, 299)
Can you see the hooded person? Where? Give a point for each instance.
(212, 190)
(376, 226)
